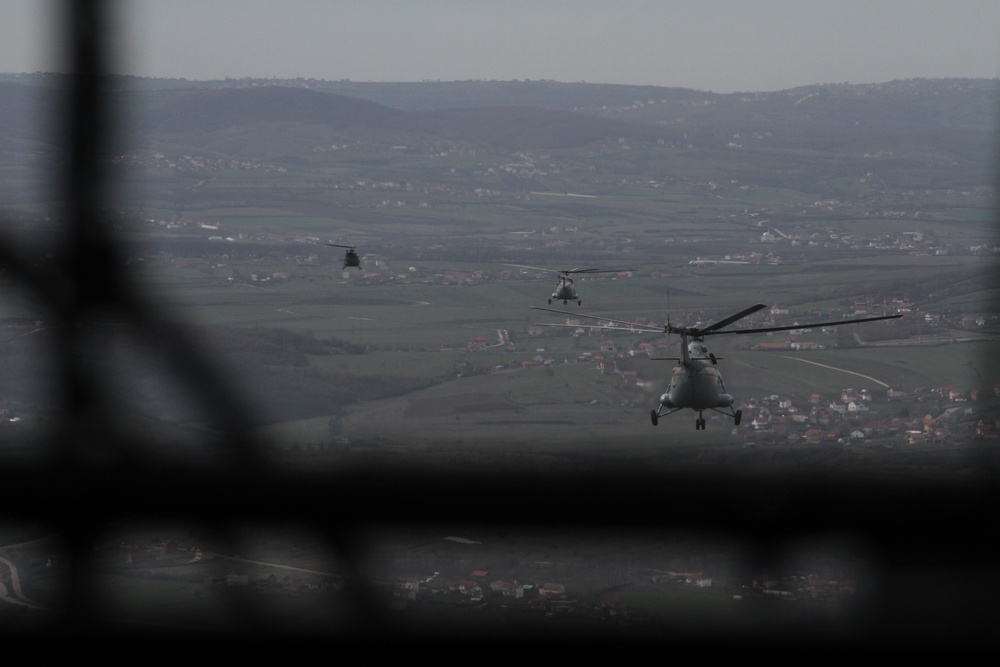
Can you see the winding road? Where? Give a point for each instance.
(17, 597)
(834, 368)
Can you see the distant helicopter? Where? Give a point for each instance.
(695, 382)
(565, 290)
(350, 257)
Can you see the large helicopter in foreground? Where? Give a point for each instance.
(350, 256)
(696, 382)
(565, 290)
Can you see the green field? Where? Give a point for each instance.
(415, 419)
(229, 226)
(414, 383)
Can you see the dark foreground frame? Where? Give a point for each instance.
(941, 535)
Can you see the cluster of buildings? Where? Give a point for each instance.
(194, 163)
(554, 598)
(165, 553)
(801, 587)
(895, 416)
(477, 587)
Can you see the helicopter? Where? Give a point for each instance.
(695, 382)
(565, 290)
(350, 257)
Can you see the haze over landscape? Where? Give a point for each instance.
(211, 424)
(723, 46)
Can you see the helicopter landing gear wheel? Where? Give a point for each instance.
(579, 302)
(653, 417)
(550, 302)
(699, 424)
(738, 417)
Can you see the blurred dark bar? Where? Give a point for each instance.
(931, 545)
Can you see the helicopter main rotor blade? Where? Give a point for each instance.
(802, 326)
(534, 268)
(596, 270)
(729, 320)
(630, 325)
(711, 330)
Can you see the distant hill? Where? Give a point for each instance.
(946, 127)
(429, 95)
(347, 118)
(520, 128)
(200, 110)
(953, 102)
(27, 115)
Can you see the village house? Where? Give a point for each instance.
(409, 584)
(896, 394)
(508, 589)
(470, 588)
(813, 436)
(986, 429)
(951, 392)
(641, 348)
(551, 590)
(698, 579)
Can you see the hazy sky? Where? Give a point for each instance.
(718, 45)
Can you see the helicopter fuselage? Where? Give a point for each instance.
(698, 387)
(565, 291)
(351, 258)
(696, 383)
